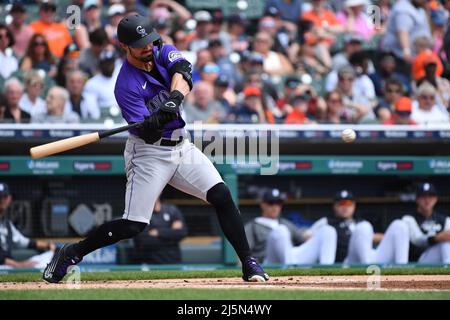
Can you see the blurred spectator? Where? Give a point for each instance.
(429, 65)
(56, 100)
(290, 89)
(39, 56)
(21, 31)
(56, 33)
(423, 59)
(13, 93)
(91, 21)
(3, 106)
(363, 84)
(335, 110)
(356, 106)
(407, 21)
(297, 110)
(324, 30)
(385, 12)
(355, 20)
(429, 233)
(203, 106)
(439, 21)
(272, 25)
(425, 109)
(102, 85)
(209, 72)
(237, 38)
(309, 63)
(275, 63)
(8, 61)
(203, 57)
(392, 92)
(387, 70)
(252, 109)
(302, 95)
(364, 88)
(422, 44)
(219, 56)
(402, 113)
(219, 32)
(31, 102)
(11, 238)
(115, 13)
(69, 62)
(162, 26)
(80, 102)
(159, 243)
(289, 10)
(133, 6)
(224, 94)
(179, 13)
(89, 57)
(180, 41)
(261, 80)
(200, 37)
(352, 44)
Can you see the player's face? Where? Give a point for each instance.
(271, 209)
(144, 54)
(426, 202)
(344, 209)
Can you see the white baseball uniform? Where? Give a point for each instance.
(421, 230)
(393, 248)
(319, 248)
(150, 167)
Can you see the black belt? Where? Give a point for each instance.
(170, 143)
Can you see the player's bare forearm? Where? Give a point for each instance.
(442, 236)
(377, 237)
(178, 83)
(44, 245)
(12, 263)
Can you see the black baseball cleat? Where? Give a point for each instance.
(57, 268)
(253, 272)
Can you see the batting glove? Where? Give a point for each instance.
(173, 102)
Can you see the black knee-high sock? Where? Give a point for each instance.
(229, 218)
(105, 235)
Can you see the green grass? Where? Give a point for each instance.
(189, 274)
(211, 294)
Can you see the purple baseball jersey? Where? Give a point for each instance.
(139, 94)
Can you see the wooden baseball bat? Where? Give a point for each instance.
(51, 148)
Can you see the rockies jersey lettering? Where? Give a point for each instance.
(140, 93)
(421, 229)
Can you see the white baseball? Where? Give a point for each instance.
(348, 135)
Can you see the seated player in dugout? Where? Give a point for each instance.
(275, 240)
(150, 89)
(429, 230)
(11, 238)
(159, 243)
(356, 237)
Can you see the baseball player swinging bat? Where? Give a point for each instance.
(55, 147)
(150, 88)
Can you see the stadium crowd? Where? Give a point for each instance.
(301, 62)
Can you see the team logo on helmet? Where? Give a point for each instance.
(141, 31)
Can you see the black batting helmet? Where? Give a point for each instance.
(136, 31)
